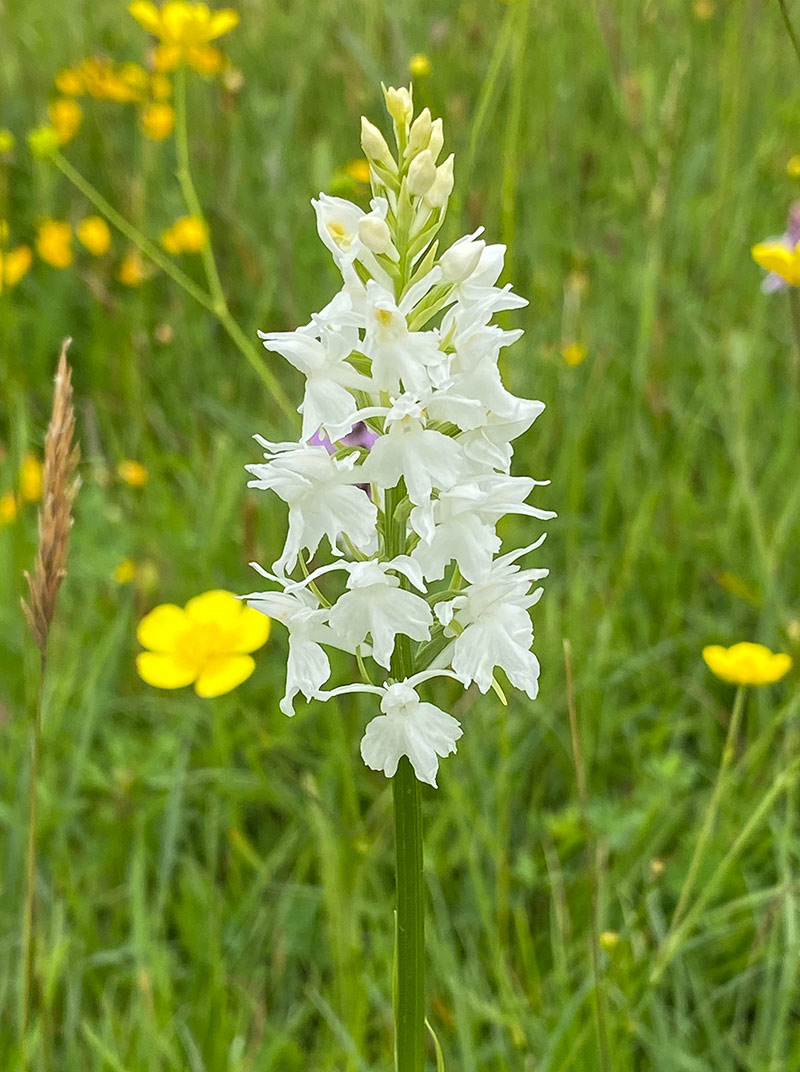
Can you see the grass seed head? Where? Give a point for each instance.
(59, 488)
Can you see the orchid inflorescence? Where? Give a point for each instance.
(403, 460)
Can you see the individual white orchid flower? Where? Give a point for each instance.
(375, 604)
(397, 354)
(408, 727)
(308, 667)
(492, 627)
(322, 498)
(423, 457)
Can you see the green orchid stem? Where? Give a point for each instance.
(214, 304)
(409, 996)
(410, 992)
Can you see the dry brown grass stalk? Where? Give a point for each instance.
(59, 487)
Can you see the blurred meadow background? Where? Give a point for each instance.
(215, 883)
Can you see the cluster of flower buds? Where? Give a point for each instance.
(403, 461)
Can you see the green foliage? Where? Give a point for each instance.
(215, 882)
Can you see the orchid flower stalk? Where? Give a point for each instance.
(402, 473)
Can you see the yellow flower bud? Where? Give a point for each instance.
(66, 116)
(419, 65)
(7, 141)
(54, 243)
(94, 235)
(43, 141)
(157, 120)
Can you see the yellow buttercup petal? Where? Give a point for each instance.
(146, 14)
(250, 632)
(222, 673)
(221, 22)
(162, 628)
(165, 671)
(217, 607)
(775, 257)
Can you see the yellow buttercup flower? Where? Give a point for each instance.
(574, 353)
(8, 508)
(132, 272)
(30, 479)
(66, 116)
(157, 120)
(188, 234)
(69, 81)
(185, 31)
(746, 664)
(793, 167)
(419, 66)
(776, 257)
(7, 140)
(609, 940)
(207, 643)
(124, 572)
(357, 169)
(93, 233)
(133, 473)
(54, 243)
(14, 264)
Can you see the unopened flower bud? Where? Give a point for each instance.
(421, 173)
(420, 132)
(374, 144)
(376, 236)
(442, 187)
(460, 261)
(436, 140)
(399, 104)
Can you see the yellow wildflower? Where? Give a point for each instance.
(7, 140)
(124, 572)
(133, 473)
(207, 644)
(609, 940)
(160, 86)
(8, 508)
(703, 9)
(157, 120)
(357, 169)
(573, 353)
(30, 479)
(746, 664)
(185, 31)
(69, 81)
(793, 167)
(419, 66)
(94, 235)
(188, 234)
(54, 243)
(104, 81)
(43, 141)
(14, 264)
(776, 257)
(132, 272)
(66, 116)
